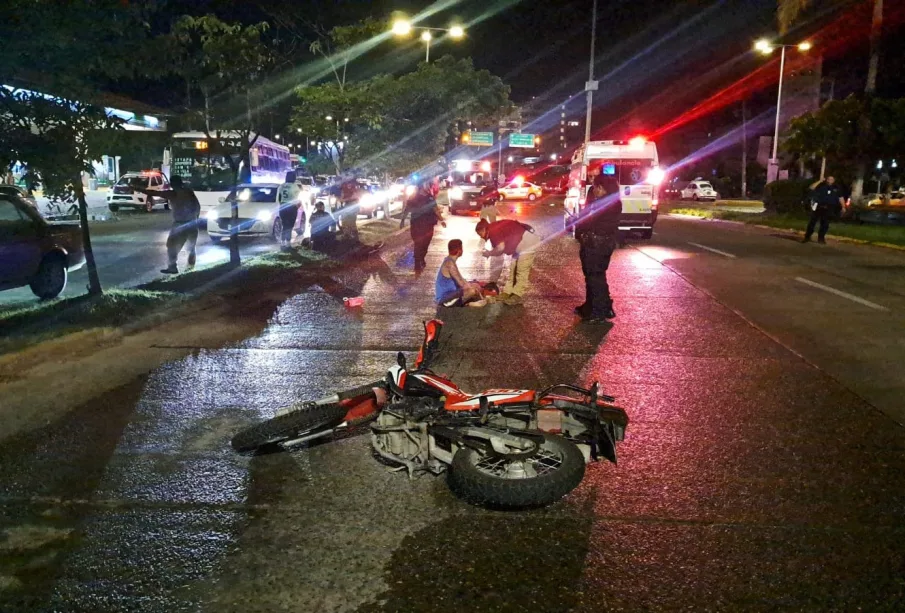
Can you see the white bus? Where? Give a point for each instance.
(204, 166)
(635, 167)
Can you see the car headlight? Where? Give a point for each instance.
(455, 193)
(332, 200)
(367, 200)
(211, 215)
(264, 215)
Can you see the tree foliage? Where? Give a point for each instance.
(834, 131)
(398, 124)
(57, 51)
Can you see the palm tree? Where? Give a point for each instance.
(787, 11)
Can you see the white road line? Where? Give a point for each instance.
(851, 297)
(728, 255)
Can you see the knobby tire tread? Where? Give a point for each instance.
(483, 489)
(288, 425)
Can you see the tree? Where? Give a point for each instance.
(835, 131)
(48, 45)
(787, 11)
(336, 114)
(398, 124)
(226, 64)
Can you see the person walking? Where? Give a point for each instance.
(825, 198)
(520, 243)
(597, 230)
(422, 206)
(185, 209)
(290, 194)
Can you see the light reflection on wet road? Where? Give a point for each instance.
(741, 483)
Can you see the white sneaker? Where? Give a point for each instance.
(478, 303)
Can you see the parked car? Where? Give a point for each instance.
(699, 190)
(521, 190)
(258, 213)
(125, 192)
(895, 198)
(35, 252)
(15, 190)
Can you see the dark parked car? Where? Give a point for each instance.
(35, 252)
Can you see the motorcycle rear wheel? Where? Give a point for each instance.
(288, 425)
(558, 468)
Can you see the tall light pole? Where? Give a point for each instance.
(402, 27)
(766, 47)
(590, 86)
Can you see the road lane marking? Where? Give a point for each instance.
(842, 294)
(723, 253)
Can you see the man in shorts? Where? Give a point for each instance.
(451, 289)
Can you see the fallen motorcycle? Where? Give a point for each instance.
(501, 447)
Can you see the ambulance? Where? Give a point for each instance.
(635, 166)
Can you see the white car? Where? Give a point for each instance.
(258, 213)
(126, 194)
(699, 190)
(521, 190)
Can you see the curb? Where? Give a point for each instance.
(835, 237)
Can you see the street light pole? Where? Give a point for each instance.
(591, 85)
(774, 161)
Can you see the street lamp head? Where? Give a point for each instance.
(346, 119)
(426, 36)
(456, 32)
(329, 117)
(763, 46)
(806, 45)
(276, 136)
(401, 27)
(299, 130)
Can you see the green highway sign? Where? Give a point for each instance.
(521, 140)
(481, 139)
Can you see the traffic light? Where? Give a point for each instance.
(466, 138)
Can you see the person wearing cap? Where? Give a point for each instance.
(520, 243)
(597, 230)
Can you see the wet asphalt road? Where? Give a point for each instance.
(131, 251)
(752, 477)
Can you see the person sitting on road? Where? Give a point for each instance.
(518, 241)
(451, 289)
(322, 238)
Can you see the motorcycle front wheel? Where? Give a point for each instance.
(289, 425)
(497, 481)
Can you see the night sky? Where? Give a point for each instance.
(655, 58)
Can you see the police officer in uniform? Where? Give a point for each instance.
(597, 232)
(826, 197)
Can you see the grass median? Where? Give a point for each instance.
(872, 234)
(25, 325)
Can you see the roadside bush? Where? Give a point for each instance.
(789, 196)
